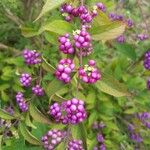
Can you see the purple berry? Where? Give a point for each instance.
(147, 60)
(31, 57)
(121, 39)
(25, 79)
(52, 138)
(75, 145)
(65, 45)
(71, 111)
(64, 69)
(21, 102)
(37, 90)
(89, 73)
(142, 37)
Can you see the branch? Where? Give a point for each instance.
(3, 47)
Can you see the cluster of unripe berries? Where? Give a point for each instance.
(100, 138)
(69, 112)
(21, 102)
(82, 12)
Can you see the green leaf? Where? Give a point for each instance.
(4, 96)
(29, 32)
(6, 115)
(27, 135)
(51, 37)
(28, 122)
(58, 98)
(54, 87)
(57, 26)
(48, 67)
(111, 86)
(79, 132)
(37, 115)
(126, 49)
(48, 6)
(108, 32)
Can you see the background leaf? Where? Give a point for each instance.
(48, 6)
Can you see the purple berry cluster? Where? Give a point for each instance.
(65, 44)
(71, 111)
(121, 39)
(75, 145)
(31, 57)
(21, 102)
(89, 73)
(82, 39)
(64, 70)
(37, 90)
(52, 138)
(100, 138)
(25, 79)
(147, 60)
(82, 12)
(144, 119)
(134, 135)
(142, 37)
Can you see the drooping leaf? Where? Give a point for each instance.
(6, 115)
(58, 27)
(126, 49)
(48, 67)
(48, 6)
(37, 115)
(27, 135)
(28, 121)
(111, 86)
